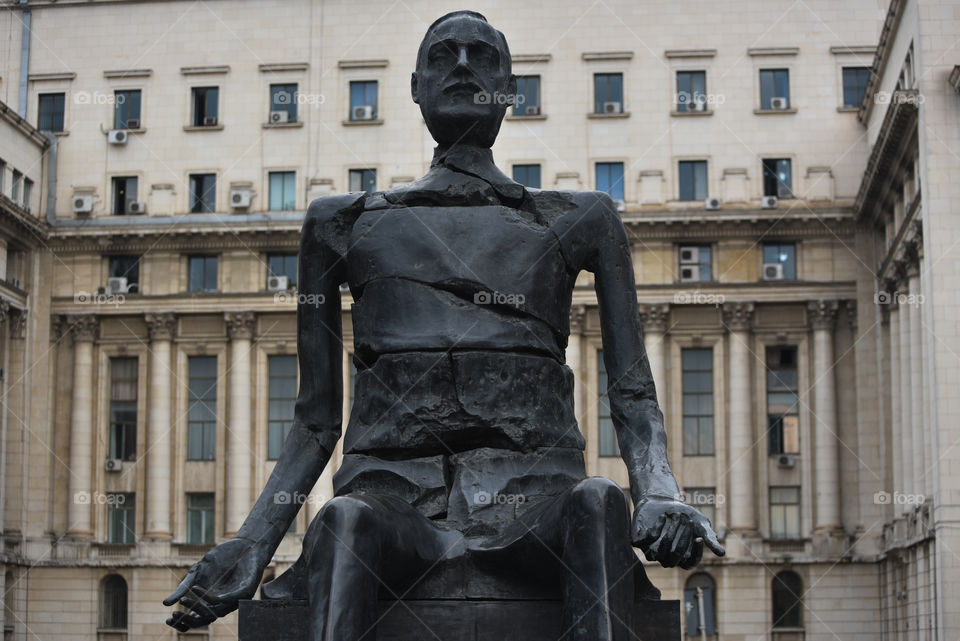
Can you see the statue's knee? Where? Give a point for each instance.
(338, 516)
(596, 495)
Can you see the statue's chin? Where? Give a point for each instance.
(472, 127)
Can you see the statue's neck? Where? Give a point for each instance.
(463, 156)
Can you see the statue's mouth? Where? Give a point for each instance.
(463, 88)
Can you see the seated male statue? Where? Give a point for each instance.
(462, 442)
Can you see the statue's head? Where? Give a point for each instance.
(463, 79)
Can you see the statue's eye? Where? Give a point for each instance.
(442, 53)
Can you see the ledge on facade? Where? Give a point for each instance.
(206, 69)
(216, 127)
(595, 116)
(691, 114)
(531, 117)
(363, 64)
(769, 112)
(773, 51)
(284, 66)
(608, 55)
(362, 123)
(844, 109)
(55, 75)
(128, 73)
(283, 125)
(690, 53)
(531, 58)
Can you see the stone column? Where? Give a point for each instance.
(894, 348)
(655, 319)
(239, 450)
(574, 355)
(822, 316)
(917, 427)
(15, 439)
(907, 419)
(738, 319)
(81, 427)
(159, 425)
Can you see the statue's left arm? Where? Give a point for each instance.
(665, 528)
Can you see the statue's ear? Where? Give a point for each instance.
(512, 85)
(413, 88)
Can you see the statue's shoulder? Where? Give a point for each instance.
(578, 204)
(581, 220)
(330, 220)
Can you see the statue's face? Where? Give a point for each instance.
(462, 82)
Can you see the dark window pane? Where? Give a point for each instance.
(50, 112)
(202, 409)
(777, 178)
(282, 395)
(125, 267)
(607, 432)
(284, 98)
(124, 194)
(363, 94)
(127, 108)
(610, 179)
(283, 186)
(774, 83)
(202, 274)
(693, 179)
(528, 95)
(787, 600)
(200, 526)
(203, 192)
(855, 81)
(283, 265)
(691, 90)
(363, 180)
(608, 88)
(206, 105)
(697, 390)
(113, 603)
(784, 254)
(120, 518)
(527, 175)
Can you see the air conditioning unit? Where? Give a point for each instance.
(689, 273)
(83, 204)
(612, 107)
(209, 121)
(699, 103)
(240, 198)
(113, 464)
(689, 255)
(137, 208)
(769, 202)
(779, 103)
(712, 203)
(620, 205)
(117, 285)
(363, 112)
(277, 117)
(117, 137)
(532, 110)
(786, 460)
(278, 283)
(772, 271)
(133, 123)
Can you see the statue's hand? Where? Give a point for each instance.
(673, 533)
(215, 584)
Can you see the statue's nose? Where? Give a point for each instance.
(462, 57)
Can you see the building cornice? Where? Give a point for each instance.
(25, 127)
(880, 58)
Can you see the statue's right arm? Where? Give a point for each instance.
(232, 570)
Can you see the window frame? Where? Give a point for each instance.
(118, 121)
(526, 168)
(782, 191)
(519, 110)
(104, 621)
(285, 257)
(291, 105)
(362, 173)
(780, 584)
(197, 201)
(776, 438)
(122, 436)
(843, 85)
(216, 277)
(54, 116)
(115, 190)
(131, 273)
(196, 117)
(363, 84)
(701, 263)
(275, 444)
(684, 394)
(126, 511)
(792, 273)
(682, 106)
(694, 164)
(207, 525)
(709, 589)
(597, 102)
(610, 164)
(766, 105)
(284, 175)
(782, 531)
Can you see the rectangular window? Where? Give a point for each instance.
(123, 408)
(282, 396)
(27, 192)
(126, 113)
(125, 267)
(785, 512)
(16, 186)
(203, 193)
(283, 98)
(363, 180)
(121, 525)
(202, 409)
(200, 518)
(527, 175)
(202, 273)
(691, 91)
(784, 254)
(3, 175)
(774, 86)
(855, 81)
(363, 100)
(783, 418)
(610, 179)
(693, 180)
(124, 190)
(704, 499)
(50, 112)
(528, 96)
(206, 106)
(607, 433)
(608, 93)
(696, 264)
(777, 178)
(697, 366)
(283, 190)
(283, 265)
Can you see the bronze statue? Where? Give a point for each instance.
(462, 442)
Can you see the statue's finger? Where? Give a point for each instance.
(710, 538)
(681, 542)
(693, 555)
(184, 586)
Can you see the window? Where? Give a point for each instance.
(610, 179)
(787, 600)
(608, 93)
(783, 253)
(697, 376)
(700, 591)
(124, 193)
(50, 112)
(200, 518)
(121, 525)
(206, 106)
(784, 512)
(607, 432)
(15, 187)
(528, 96)
(125, 267)
(127, 109)
(363, 180)
(3, 174)
(283, 265)
(693, 180)
(203, 193)
(855, 81)
(774, 83)
(202, 410)
(282, 396)
(527, 175)
(113, 603)
(203, 274)
(123, 408)
(27, 192)
(284, 98)
(704, 499)
(363, 93)
(283, 189)
(783, 420)
(696, 264)
(691, 91)
(777, 179)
